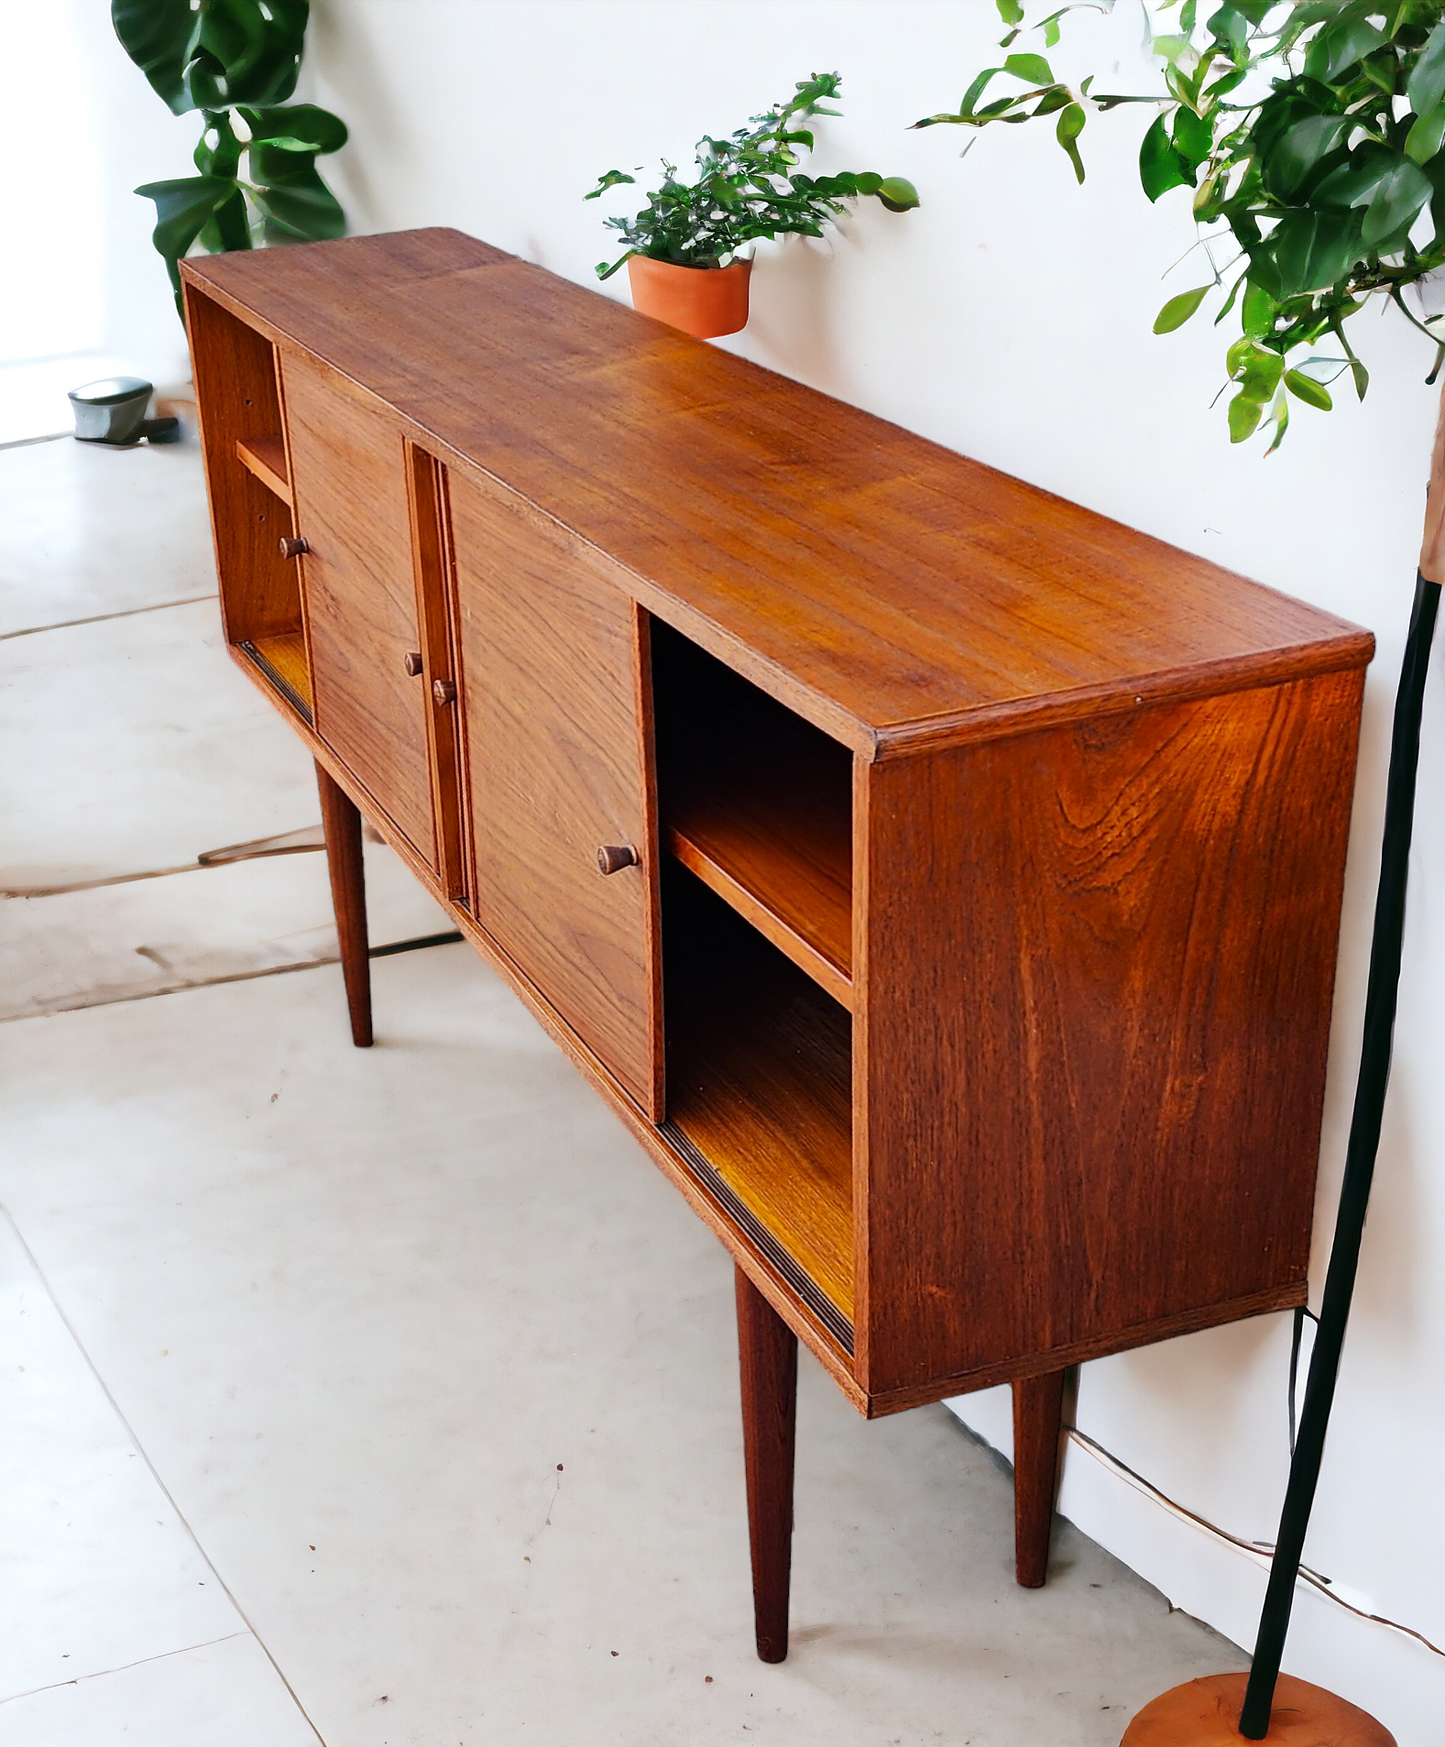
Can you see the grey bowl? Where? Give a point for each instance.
(111, 410)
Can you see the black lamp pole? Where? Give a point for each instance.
(1380, 1003)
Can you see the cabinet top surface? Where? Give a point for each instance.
(891, 589)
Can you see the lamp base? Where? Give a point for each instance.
(1205, 1713)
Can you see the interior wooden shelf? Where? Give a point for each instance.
(757, 804)
(777, 847)
(266, 458)
(282, 658)
(759, 1082)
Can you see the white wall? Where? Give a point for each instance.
(140, 141)
(1010, 319)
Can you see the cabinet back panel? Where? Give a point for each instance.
(349, 480)
(1094, 1088)
(551, 652)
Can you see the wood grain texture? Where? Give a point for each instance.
(890, 590)
(1038, 1426)
(1103, 1057)
(266, 458)
(759, 1080)
(237, 401)
(768, 1366)
(550, 655)
(341, 823)
(349, 480)
(435, 582)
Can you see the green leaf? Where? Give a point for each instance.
(610, 180)
(1256, 312)
(973, 93)
(229, 227)
(224, 157)
(1238, 356)
(1179, 309)
(1340, 46)
(182, 207)
(1354, 183)
(1230, 26)
(1280, 413)
(897, 193)
(255, 49)
(1396, 204)
(1312, 251)
(1425, 135)
(205, 81)
(1301, 148)
(1426, 85)
(1305, 388)
(303, 206)
(1228, 303)
(1033, 69)
(1244, 417)
(1070, 126)
(1010, 11)
(1193, 135)
(299, 127)
(1262, 371)
(156, 34)
(1160, 166)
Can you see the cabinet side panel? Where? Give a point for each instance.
(1098, 964)
(550, 658)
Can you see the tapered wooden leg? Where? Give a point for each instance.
(342, 824)
(1038, 1424)
(768, 1351)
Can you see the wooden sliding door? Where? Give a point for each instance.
(553, 655)
(351, 491)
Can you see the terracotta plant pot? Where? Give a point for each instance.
(1205, 1713)
(703, 301)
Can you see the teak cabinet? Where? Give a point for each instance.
(942, 880)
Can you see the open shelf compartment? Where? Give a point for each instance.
(265, 457)
(759, 1094)
(757, 803)
(251, 501)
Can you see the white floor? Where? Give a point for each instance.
(388, 1397)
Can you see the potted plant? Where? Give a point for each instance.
(683, 253)
(1312, 137)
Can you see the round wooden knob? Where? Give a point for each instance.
(613, 857)
(444, 690)
(292, 546)
(412, 662)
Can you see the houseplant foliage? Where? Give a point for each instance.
(236, 62)
(1312, 137)
(748, 186)
(1311, 133)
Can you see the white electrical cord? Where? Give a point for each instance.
(1259, 1551)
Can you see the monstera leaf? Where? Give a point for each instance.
(230, 58)
(159, 36)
